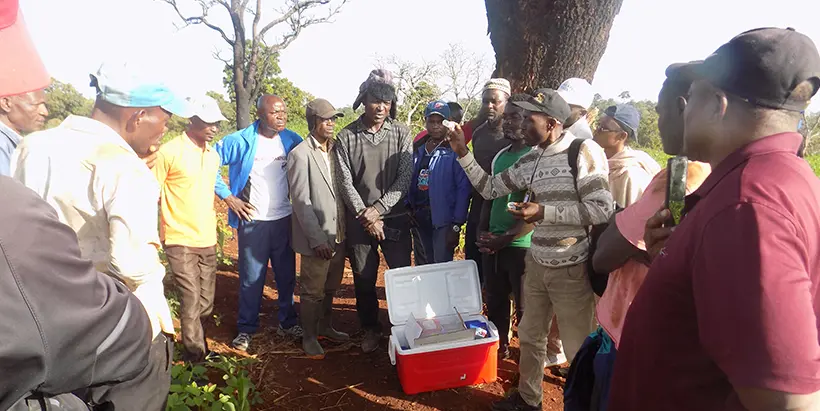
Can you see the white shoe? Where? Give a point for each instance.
(553, 360)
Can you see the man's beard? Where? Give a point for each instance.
(513, 136)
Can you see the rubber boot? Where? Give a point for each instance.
(310, 313)
(326, 329)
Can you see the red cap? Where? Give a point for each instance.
(22, 70)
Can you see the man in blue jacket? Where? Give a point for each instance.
(260, 211)
(439, 193)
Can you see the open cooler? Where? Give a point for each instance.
(439, 290)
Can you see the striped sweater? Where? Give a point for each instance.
(558, 240)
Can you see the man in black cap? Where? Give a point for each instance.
(727, 315)
(555, 280)
(374, 167)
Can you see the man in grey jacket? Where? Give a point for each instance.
(318, 230)
(65, 326)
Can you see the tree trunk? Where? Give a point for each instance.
(541, 43)
(243, 109)
(240, 86)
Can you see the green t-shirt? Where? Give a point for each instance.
(500, 219)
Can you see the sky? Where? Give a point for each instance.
(331, 60)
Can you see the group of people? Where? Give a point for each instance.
(719, 312)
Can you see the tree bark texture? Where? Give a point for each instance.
(541, 43)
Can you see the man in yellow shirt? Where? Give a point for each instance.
(185, 169)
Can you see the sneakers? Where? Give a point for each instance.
(293, 332)
(371, 340)
(241, 342)
(553, 360)
(514, 403)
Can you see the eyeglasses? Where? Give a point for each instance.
(607, 130)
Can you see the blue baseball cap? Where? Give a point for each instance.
(125, 85)
(627, 116)
(438, 107)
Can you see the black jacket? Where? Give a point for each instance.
(63, 326)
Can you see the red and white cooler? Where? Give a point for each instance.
(439, 288)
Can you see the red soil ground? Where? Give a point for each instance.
(347, 379)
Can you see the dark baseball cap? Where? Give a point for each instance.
(546, 101)
(323, 109)
(627, 116)
(763, 66)
(437, 107)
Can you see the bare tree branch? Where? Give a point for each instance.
(252, 58)
(298, 6)
(217, 54)
(465, 73)
(202, 19)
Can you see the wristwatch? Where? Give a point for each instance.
(456, 228)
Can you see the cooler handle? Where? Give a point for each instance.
(391, 351)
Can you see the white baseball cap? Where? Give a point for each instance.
(577, 92)
(207, 109)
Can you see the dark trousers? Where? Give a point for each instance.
(363, 251)
(148, 391)
(260, 242)
(194, 270)
(430, 243)
(471, 235)
(503, 273)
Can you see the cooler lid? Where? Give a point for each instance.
(432, 290)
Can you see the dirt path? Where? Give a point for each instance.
(347, 379)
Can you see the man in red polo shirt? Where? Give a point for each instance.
(727, 318)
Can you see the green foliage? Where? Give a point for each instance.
(814, 162)
(411, 110)
(172, 296)
(192, 390)
(658, 155)
(62, 100)
(269, 82)
(223, 232)
(227, 108)
(649, 138)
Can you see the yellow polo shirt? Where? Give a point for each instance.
(186, 175)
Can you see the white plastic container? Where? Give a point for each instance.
(435, 289)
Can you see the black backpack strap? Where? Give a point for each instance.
(572, 157)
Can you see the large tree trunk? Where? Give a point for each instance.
(541, 43)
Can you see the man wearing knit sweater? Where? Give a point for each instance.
(555, 279)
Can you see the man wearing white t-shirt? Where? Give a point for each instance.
(260, 211)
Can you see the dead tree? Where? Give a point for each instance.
(249, 46)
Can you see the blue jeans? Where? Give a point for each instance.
(429, 243)
(260, 242)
